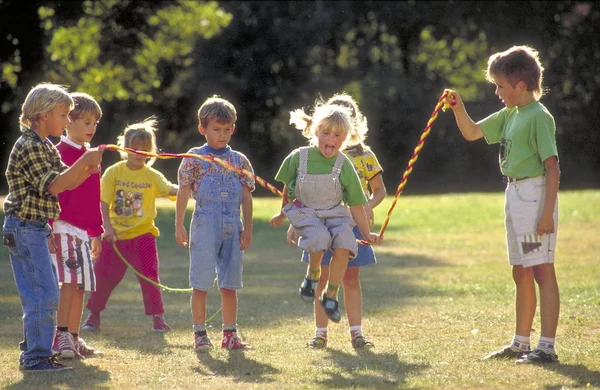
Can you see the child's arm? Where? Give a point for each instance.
(77, 173)
(546, 222)
(360, 217)
(278, 219)
(183, 195)
(246, 236)
(468, 128)
(378, 193)
(109, 231)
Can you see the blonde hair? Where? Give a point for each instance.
(328, 116)
(84, 105)
(216, 108)
(359, 120)
(519, 63)
(144, 132)
(41, 99)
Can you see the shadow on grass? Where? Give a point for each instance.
(237, 366)
(392, 373)
(82, 376)
(585, 377)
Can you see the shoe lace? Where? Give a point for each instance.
(65, 341)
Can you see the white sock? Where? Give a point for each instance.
(321, 332)
(521, 343)
(546, 344)
(355, 331)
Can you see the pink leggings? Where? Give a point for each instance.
(109, 269)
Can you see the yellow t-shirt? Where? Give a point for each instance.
(131, 197)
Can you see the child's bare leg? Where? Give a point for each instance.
(64, 304)
(76, 310)
(545, 277)
(525, 299)
(229, 306)
(321, 319)
(313, 271)
(337, 268)
(198, 306)
(353, 296)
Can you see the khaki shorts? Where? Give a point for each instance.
(523, 205)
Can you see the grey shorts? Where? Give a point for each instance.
(523, 205)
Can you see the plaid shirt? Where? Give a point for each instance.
(33, 164)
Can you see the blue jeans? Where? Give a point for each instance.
(37, 283)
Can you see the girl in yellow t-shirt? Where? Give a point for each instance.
(128, 203)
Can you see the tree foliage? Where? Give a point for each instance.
(268, 57)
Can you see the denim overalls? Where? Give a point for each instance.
(317, 214)
(215, 229)
(35, 276)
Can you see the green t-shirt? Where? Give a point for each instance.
(526, 136)
(318, 164)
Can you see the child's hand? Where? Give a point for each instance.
(109, 234)
(96, 247)
(93, 157)
(51, 244)
(545, 224)
(277, 219)
(181, 236)
(453, 99)
(373, 238)
(291, 235)
(245, 239)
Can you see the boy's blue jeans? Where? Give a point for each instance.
(37, 283)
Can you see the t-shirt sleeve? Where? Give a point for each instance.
(186, 169)
(545, 137)
(288, 171)
(163, 185)
(246, 180)
(107, 186)
(352, 190)
(493, 125)
(372, 166)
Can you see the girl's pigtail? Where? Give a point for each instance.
(301, 121)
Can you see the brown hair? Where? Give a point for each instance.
(519, 63)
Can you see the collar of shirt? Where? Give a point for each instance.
(73, 144)
(217, 152)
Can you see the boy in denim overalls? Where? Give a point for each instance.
(218, 236)
(35, 176)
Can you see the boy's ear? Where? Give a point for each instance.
(232, 128)
(521, 85)
(202, 130)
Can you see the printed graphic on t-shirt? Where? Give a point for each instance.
(505, 145)
(129, 203)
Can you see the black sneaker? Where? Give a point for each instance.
(506, 353)
(50, 364)
(307, 289)
(360, 342)
(539, 356)
(317, 342)
(330, 306)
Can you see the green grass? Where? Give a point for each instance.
(440, 298)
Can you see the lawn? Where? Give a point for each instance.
(440, 298)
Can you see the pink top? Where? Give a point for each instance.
(80, 207)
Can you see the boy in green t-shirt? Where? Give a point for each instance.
(525, 131)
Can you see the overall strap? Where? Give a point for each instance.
(303, 167)
(337, 168)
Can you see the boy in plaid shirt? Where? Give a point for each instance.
(35, 176)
